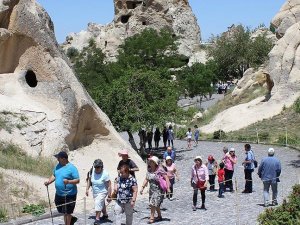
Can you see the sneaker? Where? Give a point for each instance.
(221, 196)
(171, 199)
(73, 220)
(97, 222)
(194, 208)
(275, 202)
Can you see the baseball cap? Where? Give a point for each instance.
(232, 150)
(271, 151)
(168, 157)
(61, 154)
(98, 163)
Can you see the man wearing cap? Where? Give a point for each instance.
(170, 153)
(125, 160)
(101, 186)
(269, 171)
(66, 176)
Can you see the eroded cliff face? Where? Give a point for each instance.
(132, 16)
(282, 76)
(41, 100)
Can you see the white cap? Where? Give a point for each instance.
(198, 157)
(271, 151)
(232, 150)
(168, 157)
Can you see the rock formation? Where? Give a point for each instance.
(283, 69)
(132, 16)
(39, 90)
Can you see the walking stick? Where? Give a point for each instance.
(50, 205)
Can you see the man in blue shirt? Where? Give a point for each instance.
(170, 153)
(66, 177)
(248, 168)
(269, 171)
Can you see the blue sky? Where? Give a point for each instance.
(214, 16)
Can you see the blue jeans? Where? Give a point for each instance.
(221, 188)
(267, 185)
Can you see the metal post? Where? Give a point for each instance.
(237, 201)
(257, 138)
(84, 208)
(286, 137)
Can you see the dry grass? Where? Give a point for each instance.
(229, 101)
(12, 157)
(272, 130)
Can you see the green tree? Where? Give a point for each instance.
(234, 52)
(151, 50)
(137, 99)
(197, 79)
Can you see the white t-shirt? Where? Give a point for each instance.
(189, 134)
(98, 182)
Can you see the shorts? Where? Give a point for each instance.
(100, 201)
(62, 207)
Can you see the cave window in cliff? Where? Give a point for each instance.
(125, 18)
(144, 23)
(30, 78)
(132, 4)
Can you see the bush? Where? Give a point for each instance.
(297, 106)
(181, 133)
(3, 215)
(287, 213)
(263, 136)
(72, 52)
(35, 210)
(219, 134)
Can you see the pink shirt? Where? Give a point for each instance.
(170, 171)
(202, 173)
(229, 165)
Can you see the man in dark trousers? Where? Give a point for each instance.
(66, 176)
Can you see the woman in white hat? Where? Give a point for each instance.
(199, 180)
(171, 173)
(156, 194)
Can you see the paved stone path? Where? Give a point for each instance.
(235, 208)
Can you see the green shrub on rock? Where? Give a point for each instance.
(219, 134)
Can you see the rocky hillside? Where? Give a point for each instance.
(281, 75)
(132, 16)
(43, 107)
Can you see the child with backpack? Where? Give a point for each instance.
(221, 179)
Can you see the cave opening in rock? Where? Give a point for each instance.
(132, 4)
(125, 18)
(144, 23)
(30, 78)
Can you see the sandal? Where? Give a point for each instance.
(158, 219)
(151, 221)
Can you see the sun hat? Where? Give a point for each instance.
(168, 158)
(232, 150)
(62, 155)
(154, 159)
(271, 151)
(198, 157)
(123, 152)
(98, 163)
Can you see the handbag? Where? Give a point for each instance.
(200, 183)
(162, 183)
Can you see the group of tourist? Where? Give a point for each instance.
(167, 135)
(125, 189)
